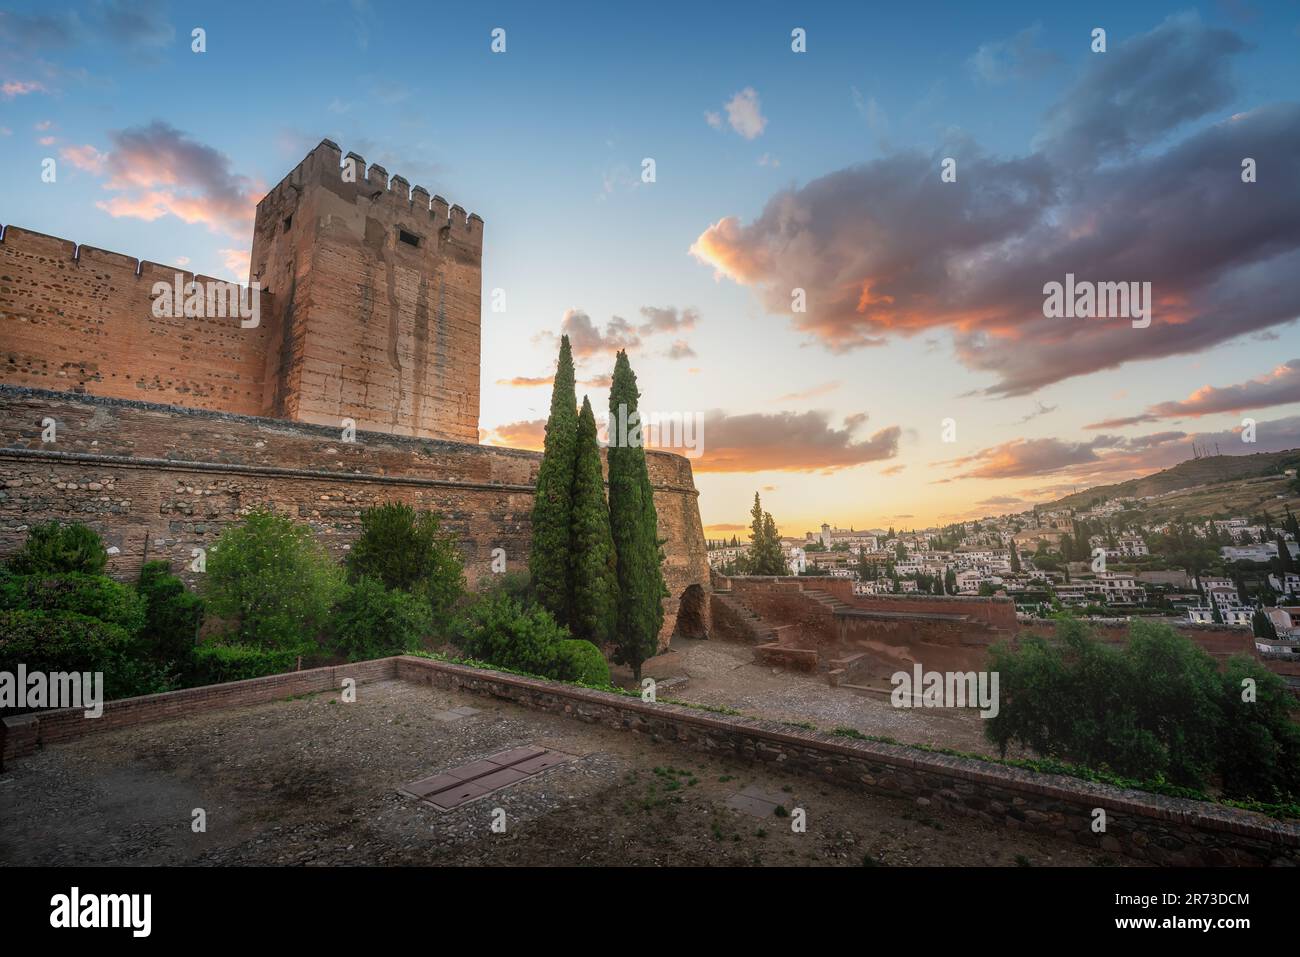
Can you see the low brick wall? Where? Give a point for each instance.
(1162, 830)
(26, 733)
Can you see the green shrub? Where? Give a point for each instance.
(96, 596)
(55, 548)
(1156, 709)
(273, 580)
(215, 663)
(68, 641)
(582, 661)
(499, 630)
(1259, 743)
(173, 614)
(372, 621)
(407, 550)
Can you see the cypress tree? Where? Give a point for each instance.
(1015, 559)
(635, 528)
(548, 560)
(594, 609)
(772, 543)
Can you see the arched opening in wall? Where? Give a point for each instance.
(692, 622)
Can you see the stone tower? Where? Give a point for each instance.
(375, 291)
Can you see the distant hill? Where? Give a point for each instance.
(1194, 473)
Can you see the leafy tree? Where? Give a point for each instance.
(408, 551)
(1284, 556)
(1155, 708)
(635, 530)
(1262, 625)
(273, 580)
(55, 547)
(173, 614)
(372, 621)
(594, 606)
(549, 564)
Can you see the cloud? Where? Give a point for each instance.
(158, 170)
(138, 27)
(13, 88)
(884, 249)
(85, 157)
(238, 262)
(1002, 500)
(1039, 409)
(893, 470)
(1022, 457)
(744, 113)
(1110, 458)
(714, 119)
(667, 319)
(810, 393)
(1014, 58)
(788, 442)
(526, 434)
(680, 349)
(527, 382)
(1147, 87)
(586, 339)
(40, 32)
(1278, 387)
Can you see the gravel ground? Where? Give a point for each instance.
(313, 781)
(722, 673)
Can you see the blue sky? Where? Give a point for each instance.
(546, 142)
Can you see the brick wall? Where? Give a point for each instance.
(159, 481)
(81, 319)
(22, 735)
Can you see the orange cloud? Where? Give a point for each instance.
(527, 434)
(13, 88)
(788, 442)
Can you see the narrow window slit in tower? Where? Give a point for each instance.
(409, 238)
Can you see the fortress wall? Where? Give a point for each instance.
(81, 319)
(158, 481)
(381, 330)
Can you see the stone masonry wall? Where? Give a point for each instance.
(80, 319)
(157, 482)
(378, 289)
(369, 310)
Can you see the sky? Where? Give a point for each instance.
(864, 338)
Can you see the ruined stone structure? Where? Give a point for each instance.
(168, 428)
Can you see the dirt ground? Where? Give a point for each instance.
(314, 781)
(723, 674)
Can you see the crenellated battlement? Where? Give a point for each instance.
(20, 241)
(327, 166)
